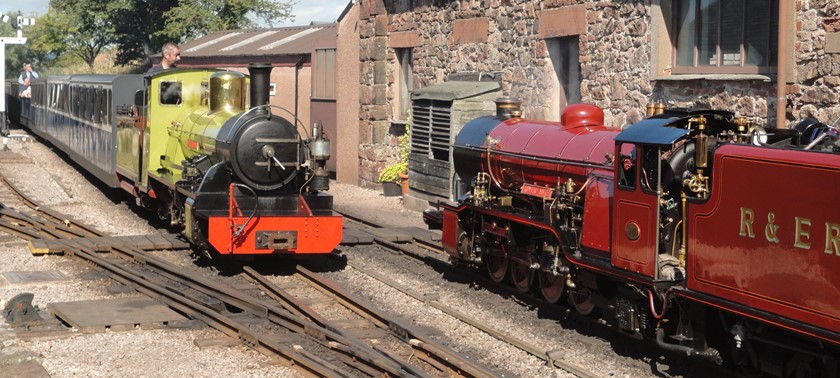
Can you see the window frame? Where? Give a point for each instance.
(405, 75)
(743, 67)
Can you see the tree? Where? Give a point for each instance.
(82, 28)
(17, 55)
(143, 26)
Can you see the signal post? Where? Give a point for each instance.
(18, 23)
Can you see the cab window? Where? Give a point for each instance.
(626, 169)
(170, 93)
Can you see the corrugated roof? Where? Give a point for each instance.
(292, 40)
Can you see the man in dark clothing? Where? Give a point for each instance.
(171, 55)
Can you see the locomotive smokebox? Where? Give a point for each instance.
(260, 83)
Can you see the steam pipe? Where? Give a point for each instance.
(711, 354)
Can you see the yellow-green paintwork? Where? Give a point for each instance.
(176, 132)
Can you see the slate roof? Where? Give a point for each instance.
(293, 40)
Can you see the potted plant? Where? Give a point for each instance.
(394, 178)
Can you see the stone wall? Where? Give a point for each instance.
(619, 57)
(816, 88)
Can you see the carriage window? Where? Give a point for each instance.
(88, 103)
(627, 166)
(170, 93)
(64, 98)
(99, 109)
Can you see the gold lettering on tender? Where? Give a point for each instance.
(802, 232)
(771, 229)
(832, 238)
(747, 217)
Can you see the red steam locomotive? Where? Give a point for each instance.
(694, 228)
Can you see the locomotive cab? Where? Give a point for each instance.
(646, 201)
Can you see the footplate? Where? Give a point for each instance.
(276, 240)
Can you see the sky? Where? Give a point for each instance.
(305, 11)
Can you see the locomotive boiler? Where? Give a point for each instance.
(203, 149)
(690, 227)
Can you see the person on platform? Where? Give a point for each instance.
(25, 80)
(171, 55)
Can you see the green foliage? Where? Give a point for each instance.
(82, 28)
(144, 26)
(392, 172)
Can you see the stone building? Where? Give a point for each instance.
(775, 61)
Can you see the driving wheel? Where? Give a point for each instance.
(581, 300)
(520, 273)
(551, 286)
(496, 261)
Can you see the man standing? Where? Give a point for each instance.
(24, 80)
(171, 55)
(27, 73)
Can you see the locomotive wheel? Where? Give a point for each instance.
(520, 274)
(497, 262)
(581, 300)
(551, 286)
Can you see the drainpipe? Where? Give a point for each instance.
(298, 66)
(781, 64)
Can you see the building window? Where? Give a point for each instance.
(565, 57)
(725, 36)
(405, 67)
(324, 74)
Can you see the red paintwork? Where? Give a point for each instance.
(596, 215)
(449, 239)
(520, 141)
(797, 283)
(315, 234)
(578, 115)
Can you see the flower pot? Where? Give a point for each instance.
(404, 183)
(391, 189)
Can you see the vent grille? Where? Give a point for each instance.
(430, 128)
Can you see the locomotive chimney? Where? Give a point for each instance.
(260, 83)
(507, 107)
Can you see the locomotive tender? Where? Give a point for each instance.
(694, 228)
(238, 179)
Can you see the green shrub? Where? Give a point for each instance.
(392, 172)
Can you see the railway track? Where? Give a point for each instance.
(304, 339)
(427, 251)
(430, 253)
